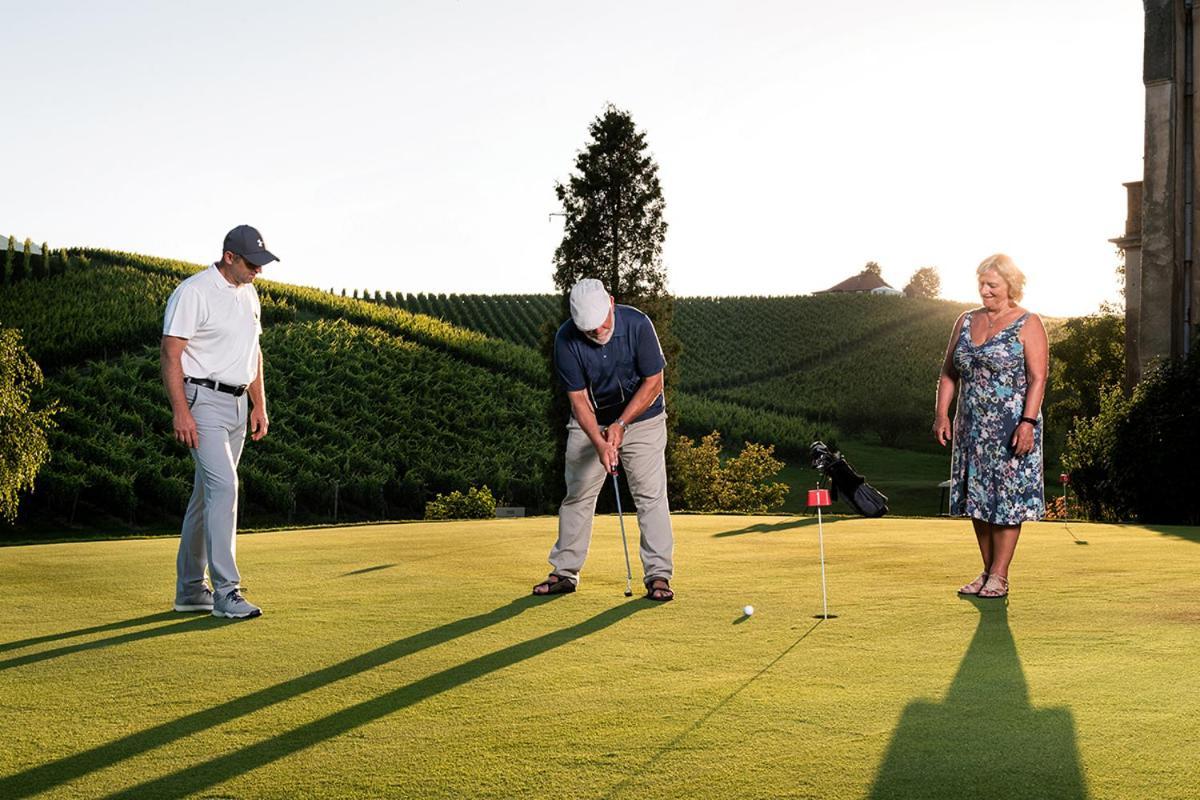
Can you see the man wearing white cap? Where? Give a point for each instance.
(610, 363)
(213, 373)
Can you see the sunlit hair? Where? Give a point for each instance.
(1008, 270)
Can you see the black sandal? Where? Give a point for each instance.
(664, 593)
(559, 585)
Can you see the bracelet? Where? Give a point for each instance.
(1030, 420)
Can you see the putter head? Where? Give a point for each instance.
(628, 593)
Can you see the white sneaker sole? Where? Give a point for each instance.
(230, 615)
(193, 607)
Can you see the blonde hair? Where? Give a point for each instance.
(1007, 269)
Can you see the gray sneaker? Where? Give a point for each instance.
(234, 606)
(201, 600)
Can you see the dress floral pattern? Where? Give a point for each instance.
(990, 483)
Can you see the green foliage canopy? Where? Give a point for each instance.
(23, 431)
(925, 282)
(1135, 459)
(475, 504)
(742, 483)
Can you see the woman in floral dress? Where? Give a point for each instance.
(997, 360)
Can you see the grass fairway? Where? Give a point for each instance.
(408, 661)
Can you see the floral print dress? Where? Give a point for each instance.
(990, 483)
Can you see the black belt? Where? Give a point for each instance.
(236, 391)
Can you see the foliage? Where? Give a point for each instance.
(475, 504)
(513, 317)
(613, 213)
(873, 268)
(1087, 357)
(23, 431)
(470, 346)
(1132, 460)
(791, 435)
(20, 267)
(741, 483)
(925, 282)
(9, 261)
(360, 419)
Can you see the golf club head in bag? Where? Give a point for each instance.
(852, 487)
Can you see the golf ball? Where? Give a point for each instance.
(748, 610)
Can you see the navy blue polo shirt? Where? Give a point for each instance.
(612, 372)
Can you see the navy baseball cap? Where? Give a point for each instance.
(247, 242)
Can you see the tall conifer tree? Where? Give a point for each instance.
(614, 228)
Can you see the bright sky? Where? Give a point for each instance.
(414, 146)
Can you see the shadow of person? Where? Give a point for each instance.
(177, 625)
(135, 622)
(43, 777)
(984, 739)
(762, 527)
(199, 777)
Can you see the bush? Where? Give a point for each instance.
(475, 504)
(1130, 462)
(741, 484)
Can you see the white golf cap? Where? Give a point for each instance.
(589, 304)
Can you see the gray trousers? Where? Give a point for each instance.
(644, 464)
(209, 532)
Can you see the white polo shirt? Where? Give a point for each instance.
(220, 322)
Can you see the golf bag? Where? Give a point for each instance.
(853, 488)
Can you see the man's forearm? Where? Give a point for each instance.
(172, 378)
(586, 417)
(257, 388)
(643, 398)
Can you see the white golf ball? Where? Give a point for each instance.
(748, 610)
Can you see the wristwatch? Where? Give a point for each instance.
(1030, 420)
(624, 425)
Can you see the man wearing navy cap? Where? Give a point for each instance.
(610, 363)
(213, 372)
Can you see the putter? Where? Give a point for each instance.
(624, 544)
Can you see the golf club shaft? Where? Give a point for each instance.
(624, 544)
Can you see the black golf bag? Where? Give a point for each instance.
(853, 488)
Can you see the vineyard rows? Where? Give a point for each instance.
(377, 405)
(377, 422)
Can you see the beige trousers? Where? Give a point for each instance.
(644, 465)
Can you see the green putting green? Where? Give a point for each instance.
(409, 661)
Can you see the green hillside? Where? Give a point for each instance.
(376, 406)
(373, 410)
(783, 370)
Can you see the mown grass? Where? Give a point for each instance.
(408, 661)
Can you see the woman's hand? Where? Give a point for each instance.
(941, 430)
(1022, 439)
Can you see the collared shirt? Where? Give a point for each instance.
(221, 324)
(611, 372)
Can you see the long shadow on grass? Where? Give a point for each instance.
(47, 776)
(162, 616)
(984, 739)
(230, 765)
(365, 570)
(182, 626)
(762, 527)
(671, 745)
(1189, 532)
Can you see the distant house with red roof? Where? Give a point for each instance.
(864, 282)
